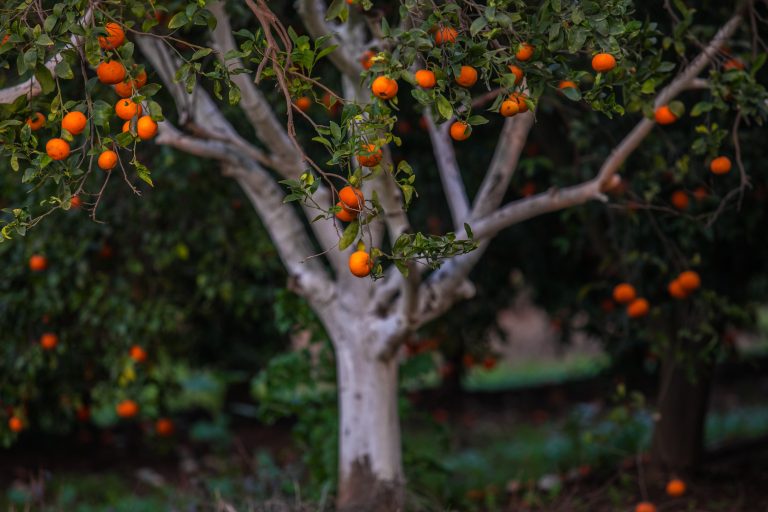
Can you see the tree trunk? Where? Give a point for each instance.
(370, 465)
(678, 438)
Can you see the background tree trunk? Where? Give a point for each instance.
(370, 466)
(678, 437)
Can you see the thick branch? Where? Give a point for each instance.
(450, 176)
(312, 13)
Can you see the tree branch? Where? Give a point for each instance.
(312, 14)
(450, 176)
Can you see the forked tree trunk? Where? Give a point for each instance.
(370, 466)
(678, 437)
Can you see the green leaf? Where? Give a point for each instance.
(349, 235)
(63, 70)
(444, 107)
(202, 52)
(179, 20)
(572, 93)
(43, 75)
(335, 10)
(476, 120)
(479, 24)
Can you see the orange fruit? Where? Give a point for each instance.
(524, 52)
(645, 507)
(114, 38)
(75, 202)
(528, 189)
(360, 263)
(127, 409)
(345, 215)
(509, 108)
(57, 149)
(15, 424)
(49, 341)
(164, 427)
(141, 79)
(638, 308)
(138, 354)
(564, 84)
(460, 131)
(467, 76)
(733, 64)
(664, 115)
(520, 99)
(110, 72)
(676, 488)
(700, 193)
(124, 89)
(425, 78)
(384, 87)
(38, 263)
(372, 159)
(107, 160)
(6, 37)
(36, 122)
(517, 72)
(146, 127)
(303, 103)
(74, 122)
(720, 165)
(126, 109)
(680, 200)
(676, 290)
(689, 280)
(603, 62)
(367, 59)
(352, 198)
(445, 35)
(126, 126)
(624, 293)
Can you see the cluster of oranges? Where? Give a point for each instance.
(680, 288)
(351, 202)
(675, 489)
(109, 72)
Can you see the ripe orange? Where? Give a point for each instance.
(524, 52)
(127, 409)
(689, 280)
(664, 115)
(75, 202)
(509, 108)
(733, 64)
(124, 89)
(126, 109)
(110, 72)
(564, 84)
(603, 62)
(425, 78)
(74, 122)
(445, 35)
(372, 159)
(140, 79)
(36, 122)
(367, 59)
(114, 38)
(146, 127)
(38, 263)
(49, 341)
(700, 193)
(460, 131)
(6, 37)
(360, 263)
(676, 290)
(645, 507)
(638, 308)
(520, 99)
(164, 427)
(138, 354)
(352, 198)
(303, 103)
(345, 215)
(467, 77)
(15, 424)
(384, 87)
(676, 488)
(57, 149)
(126, 126)
(720, 165)
(680, 200)
(624, 293)
(107, 160)
(517, 72)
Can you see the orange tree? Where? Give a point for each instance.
(342, 211)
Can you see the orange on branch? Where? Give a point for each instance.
(36, 122)
(680, 200)
(515, 70)
(460, 131)
(664, 115)
(467, 77)
(425, 78)
(624, 293)
(107, 160)
(367, 59)
(689, 280)
(345, 214)
(146, 127)
(372, 158)
(114, 38)
(164, 427)
(645, 506)
(509, 108)
(74, 122)
(49, 341)
(720, 165)
(138, 354)
(676, 290)
(304, 103)
(603, 62)
(111, 72)
(638, 308)
(524, 52)
(384, 87)
(57, 149)
(38, 263)
(445, 35)
(127, 409)
(675, 488)
(126, 109)
(352, 198)
(15, 424)
(565, 84)
(360, 263)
